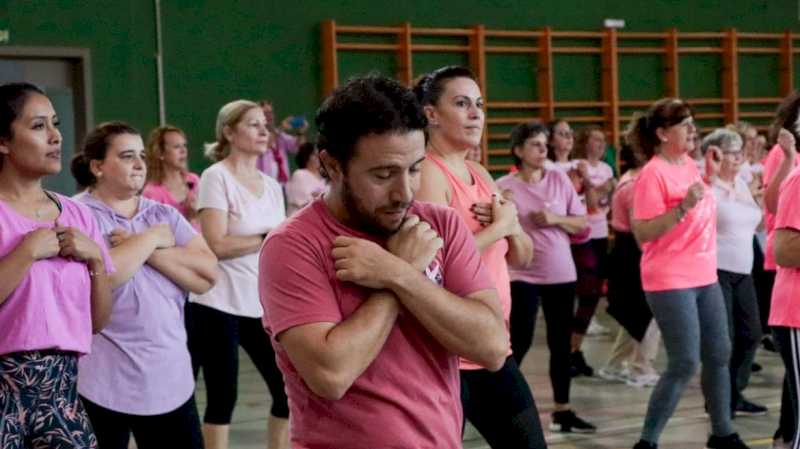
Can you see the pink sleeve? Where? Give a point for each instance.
(463, 271)
(771, 164)
(788, 215)
(212, 192)
(293, 285)
(649, 197)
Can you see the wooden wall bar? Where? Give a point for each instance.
(544, 43)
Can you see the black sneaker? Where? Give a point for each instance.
(756, 368)
(747, 408)
(768, 344)
(731, 441)
(642, 444)
(568, 422)
(578, 365)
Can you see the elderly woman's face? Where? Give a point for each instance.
(732, 159)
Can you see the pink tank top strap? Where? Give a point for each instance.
(463, 195)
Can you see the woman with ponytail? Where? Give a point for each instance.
(238, 206)
(674, 220)
(169, 180)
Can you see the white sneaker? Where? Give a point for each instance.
(608, 373)
(596, 329)
(643, 380)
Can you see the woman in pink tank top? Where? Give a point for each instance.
(500, 404)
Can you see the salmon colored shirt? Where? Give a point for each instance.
(462, 197)
(686, 255)
(785, 310)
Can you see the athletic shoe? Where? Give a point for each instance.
(578, 365)
(596, 329)
(568, 422)
(618, 375)
(643, 380)
(747, 408)
(756, 368)
(642, 444)
(769, 344)
(731, 441)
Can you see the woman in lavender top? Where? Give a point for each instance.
(549, 211)
(138, 378)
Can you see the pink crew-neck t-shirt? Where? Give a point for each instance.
(462, 197)
(159, 192)
(785, 310)
(409, 396)
(686, 255)
(771, 164)
(51, 306)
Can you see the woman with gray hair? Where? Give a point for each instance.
(738, 216)
(238, 206)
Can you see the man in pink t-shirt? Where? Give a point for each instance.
(370, 297)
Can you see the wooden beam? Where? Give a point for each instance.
(671, 81)
(610, 81)
(544, 75)
(786, 64)
(730, 76)
(330, 68)
(477, 60)
(405, 71)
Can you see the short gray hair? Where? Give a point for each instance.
(722, 138)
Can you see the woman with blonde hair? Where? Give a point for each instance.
(238, 206)
(169, 180)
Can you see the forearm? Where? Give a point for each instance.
(520, 249)
(192, 270)
(467, 327)
(101, 298)
(232, 246)
(129, 256)
(13, 269)
(787, 248)
(647, 230)
(348, 348)
(571, 224)
(773, 189)
(488, 235)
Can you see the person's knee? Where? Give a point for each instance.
(718, 355)
(220, 407)
(683, 368)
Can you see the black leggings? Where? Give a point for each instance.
(214, 342)
(500, 405)
(558, 302)
(590, 262)
(788, 342)
(179, 429)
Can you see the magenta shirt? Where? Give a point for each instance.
(409, 396)
(159, 192)
(552, 258)
(286, 144)
(140, 363)
(51, 307)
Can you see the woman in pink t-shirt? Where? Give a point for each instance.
(785, 314)
(597, 184)
(499, 404)
(55, 290)
(674, 219)
(169, 180)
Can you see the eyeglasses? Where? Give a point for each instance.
(564, 134)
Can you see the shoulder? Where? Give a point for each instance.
(442, 218)
(215, 170)
(153, 190)
(506, 181)
(75, 212)
(481, 170)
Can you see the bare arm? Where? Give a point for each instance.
(648, 230)
(130, 251)
(788, 145)
(101, 297)
(330, 357)
(193, 267)
(214, 223)
(787, 248)
(571, 224)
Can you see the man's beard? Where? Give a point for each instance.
(360, 219)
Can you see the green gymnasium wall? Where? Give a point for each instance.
(216, 51)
